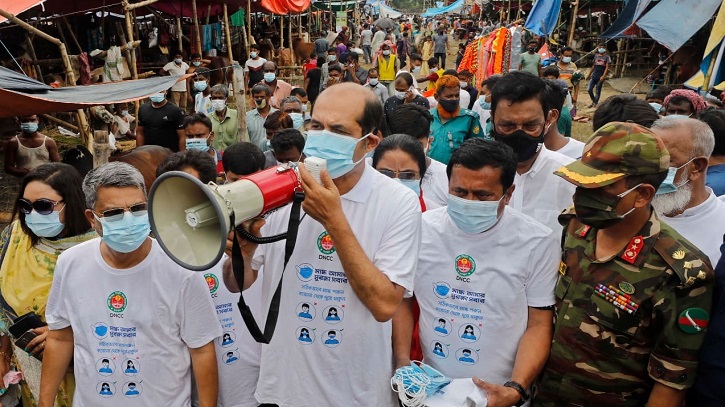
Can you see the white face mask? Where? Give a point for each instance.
(374, 81)
(463, 84)
(400, 95)
(218, 105)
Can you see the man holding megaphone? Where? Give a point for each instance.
(354, 259)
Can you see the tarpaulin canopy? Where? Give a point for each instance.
(716, 40)
(543, 16)
(337, 5)
(387, 11)
(451, 8)
(673, 22)
(16, 7)
(624, 24)
(25, 96)
(284, 7)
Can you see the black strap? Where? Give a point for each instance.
(238, 269)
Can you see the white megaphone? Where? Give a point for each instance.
(191, 220)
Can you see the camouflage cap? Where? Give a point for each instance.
(615, 151)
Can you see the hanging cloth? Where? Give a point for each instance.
(238, 19)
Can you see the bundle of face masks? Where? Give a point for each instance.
(416, 382)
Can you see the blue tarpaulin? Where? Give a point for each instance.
(629, 14)
(673, 22)
(543, 16)
(451, 8)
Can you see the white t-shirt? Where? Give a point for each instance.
(435, 184)
(481, 286)
(174, 69)
(483, 115)
(367, 37)
(465, 99)
(574, 149)
(238, 372)
(328, 349)
(254, 63)
(202, 104)
(702, 225)
(142, 321)
(541, 194)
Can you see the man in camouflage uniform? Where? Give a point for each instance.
(633, 296)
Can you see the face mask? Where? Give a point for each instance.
(523, 144)
(269, 76)
(668, 186)
(197, 144)
(679, 116)
(219, 105)
(601, 50)
(472, 216)
(331, 58)
(261, 103)
(416, 69)
(124, 112)
(463, 84)
(45, 225)
(449, 105)
(157, 98)
(127, 234)
(178, 61)
(484, 105)
(566, 60)
(599, 211)
(400, 95)
(374, 82)
(337, 149)
(200, 85)
(196, 63)
(297, 120)
(413, 184)
(253, 55)
(656, 106)
(386, 52)
(29, 127)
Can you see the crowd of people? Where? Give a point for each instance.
(458, 224)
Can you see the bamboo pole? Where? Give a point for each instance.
(31, 52)
(572, 28)
(249, 23)
(129, 28)
(289, 38)
(71, 127)
(72, 35)
(227, 31)
(126, 52)
(208, 15)
(181, 33)
(178, 22)
(196, 27)
(128, 6)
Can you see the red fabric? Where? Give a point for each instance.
(16, 7)
(284, 7)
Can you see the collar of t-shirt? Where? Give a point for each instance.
(708, 205)
(361, 191)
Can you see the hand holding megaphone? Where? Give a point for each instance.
(248, 247)
(322, 199)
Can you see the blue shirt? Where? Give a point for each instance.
(716, 178)
(450, 135)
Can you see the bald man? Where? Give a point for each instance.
(683, 200)
(355, 252)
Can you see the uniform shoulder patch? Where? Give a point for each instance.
(691, 265)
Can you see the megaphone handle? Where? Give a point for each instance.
(238, 269)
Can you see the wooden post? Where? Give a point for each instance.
(60, 122)
(31, 52)
(228, 31)
(196, 27)
(72, 35)
(178, 21)
(208, 15)
(289, 38)
(181, 33)
(572, 28)
(249, 24)
(626, 55)
(122, 36)
(129, 28)
(241, 104)
(101, 148)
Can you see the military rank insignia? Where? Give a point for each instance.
(562, 268)
(693, 320)
(632, 250)
(618, 297)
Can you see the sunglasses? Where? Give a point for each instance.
(405, 175)
(43, 206)
(116, 214)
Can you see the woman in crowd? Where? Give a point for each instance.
(402, 158)
(49, 218)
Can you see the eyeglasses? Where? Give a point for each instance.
(43, 206)
(200, 135)
(406, 175)
(508, 128)
(116, 214)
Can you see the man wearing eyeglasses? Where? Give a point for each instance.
(121, 296)
(521, 116)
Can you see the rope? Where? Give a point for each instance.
(11, 56)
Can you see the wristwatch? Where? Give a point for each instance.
(520, 389)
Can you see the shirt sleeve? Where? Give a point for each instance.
(199, 322)
(542, 278)
(56, 312)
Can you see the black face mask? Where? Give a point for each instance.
(449, 105)
(521, 142)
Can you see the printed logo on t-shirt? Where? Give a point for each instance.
(117, 301)
(465, 265)
(212, 281)
(325, 244)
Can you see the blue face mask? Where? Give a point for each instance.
(417, 380)
(269, 76)
(413, 184)
(656, 106)
(337, 149)
(197, 144)
(678, 116)
(268, 145)
(157, 98)
(484, 105)
(196, 63)
(127, 234)
(200, 85)
(473, 216)
(29, 127)
(45, 225)
(297, 120)
(668, 186)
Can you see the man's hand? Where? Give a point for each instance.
(602, 79)
(37, 345)
(409, 96)
(322, 201)
(248, 248)
(497, 395)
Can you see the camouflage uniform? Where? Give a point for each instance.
(636, 317)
